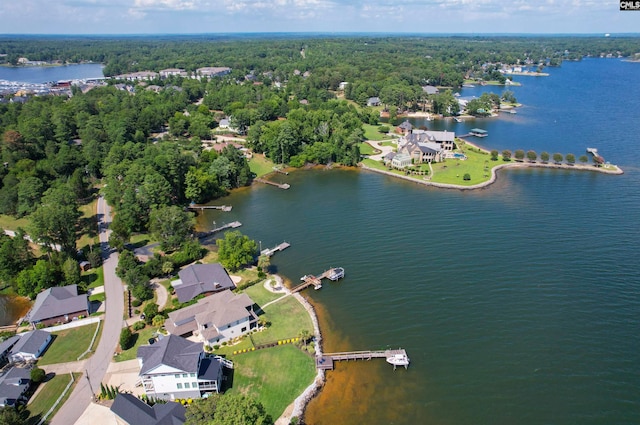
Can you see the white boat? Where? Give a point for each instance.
(336, 273)
(398, 360)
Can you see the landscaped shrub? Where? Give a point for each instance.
(466, 177)
(126, 338)
(139, 325)
(136, 303)
(37, 375)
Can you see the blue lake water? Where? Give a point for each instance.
(45, 74)
(519, 303)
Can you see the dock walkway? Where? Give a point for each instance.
(325, 362)
(280, 185)
(269, 252)
(334, 274)
(232, 225)
(225, 208)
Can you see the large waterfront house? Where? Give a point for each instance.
(201, 279)
(176, 368)
(426, 146)
(60, 304)
(14, 384)
(214, 319)
(130, 410)
(30, 346)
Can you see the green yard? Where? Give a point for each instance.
(366, 149)
(371, 133)
(260, 165)
(69, 344)
(10, 223)
(141, 338)
(41, 403)
(274, 376)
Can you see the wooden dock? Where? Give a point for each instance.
(326, 361)
(269, 252)
(334, 273)
(232, 225)
(281, 171)
(279, 185)
(225, 208)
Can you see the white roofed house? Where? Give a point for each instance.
(164, 73)
(215, 319)
(176, 368)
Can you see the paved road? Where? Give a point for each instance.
(97, 365)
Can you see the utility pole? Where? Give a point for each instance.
(93, 394)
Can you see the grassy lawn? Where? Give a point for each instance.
(141, 338)
(260, 295)
(260, 165)
(372, 163)
(452, 171)
(366, 149)
(93, 278)
(52, 389)
(274, 376)
(88, 225)
(10, 223)
(69, 344)
(288, 317)
(371, 133)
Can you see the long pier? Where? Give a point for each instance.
(334, 273)
(269, 252)
(279, 185)
(231, 225)
(225, 208)
(326, 361)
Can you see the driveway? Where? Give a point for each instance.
(96, 366)
(383, 149)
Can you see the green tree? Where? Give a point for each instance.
(506, 155)
(519, 154)
(227, 409)
(236, 250)
(583, 159)
(172, 226)
(544, 156)
(37, 375)
(557, 158)
(71, 271)
(54, 221)
(494, 155)
(150, 311)
(9, 415)
(532, 156)
(126, 338)
(570, 158)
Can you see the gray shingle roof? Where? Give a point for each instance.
(6, 345)
(136, 412)
(173, 351)
(30, 342)
(57, 301)
(13, 384)
(200, 278)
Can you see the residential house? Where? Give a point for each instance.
(13, 386)
(214, 319)
(176, 368)
(426, 146)
(138, 76)
(201, 279)
(212, 71)
(373, 101)
(405, 128)
(164, 73)
(30, 346)
(430, 89)
(6, 346)
(130, 410)
(401, 160)
(60, 304)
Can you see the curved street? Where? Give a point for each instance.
(96, 366)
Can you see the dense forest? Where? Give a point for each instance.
(144, 147)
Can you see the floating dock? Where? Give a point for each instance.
(269, 252)
(334, 274)
(279, 185)
(395, 357)
(232, 225)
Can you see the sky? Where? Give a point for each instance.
(326, 16)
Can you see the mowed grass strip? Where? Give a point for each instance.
(287, 318)
(371, 132)
(48, 395)
(69, 344)
(260, 165)
(261, 296)
(274, 376)
(141, 338)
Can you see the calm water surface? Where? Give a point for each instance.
(519, 303)
(44, 74)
